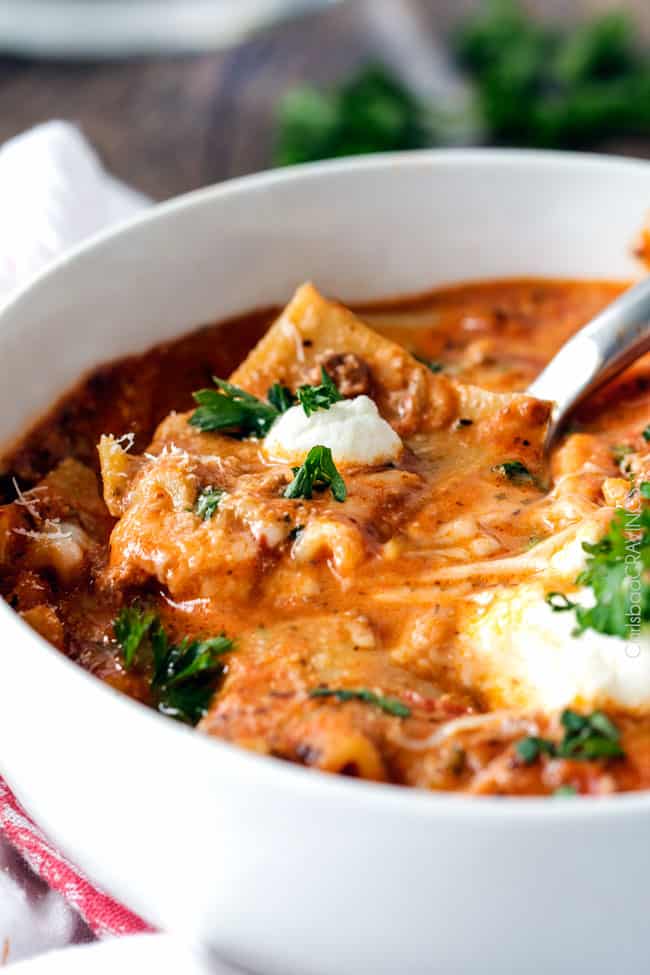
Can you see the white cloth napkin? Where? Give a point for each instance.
(55, 193)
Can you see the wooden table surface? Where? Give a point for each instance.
(172, 124)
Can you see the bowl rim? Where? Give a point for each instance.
(377, 798)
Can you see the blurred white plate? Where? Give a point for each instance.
(107, 28)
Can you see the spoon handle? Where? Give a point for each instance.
(595, 354)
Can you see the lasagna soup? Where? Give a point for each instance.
(334, 537)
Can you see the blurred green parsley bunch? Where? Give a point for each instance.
(535, 85)
(371, 112)
(539, 86)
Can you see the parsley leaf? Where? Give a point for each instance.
(317, 472)
(389, 705)
(620, 452)
(130, 628)
(313, 398)
(617, 572)
(232, 410)
(281, 397)
(515, 471)
(529, 749)
(184, 676)
(208, 502)
(559, 603)
(646, 433)
(587, 737)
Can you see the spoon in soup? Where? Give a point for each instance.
(596, 354)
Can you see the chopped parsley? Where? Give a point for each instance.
(515, 471)
(620, 452)
(281, 397)
(130, 628)
(559, 603)
(318, 472)
(587, 737)
(646, 434)
(233, 411)
(531, 748)
(389, 705)
(617, 573)
(183, 676)
(240, 414)
(431, 364)
(208, 502)
(313, 398)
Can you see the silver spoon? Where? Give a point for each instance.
(594, 355)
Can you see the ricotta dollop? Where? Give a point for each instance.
(528, 653)
(352, 429)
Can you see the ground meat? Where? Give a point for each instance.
(350, 373)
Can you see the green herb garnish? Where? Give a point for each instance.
(644, 490)
(232, 410)
(389, 705)
(646, 433)
(313, 398)
(617, 573)
(317, 473)
(183, 676)
(208, 502)
(281, 397)
(130, 628)
(620, 452)
(431, 364)
(529, 749)
(238, 413)
(559, 603)
(515, 471)
(587, 737)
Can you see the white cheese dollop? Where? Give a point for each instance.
(526, 654)
(352, 429)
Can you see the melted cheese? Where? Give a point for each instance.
(352, 429)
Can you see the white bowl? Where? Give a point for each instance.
(284, 870)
